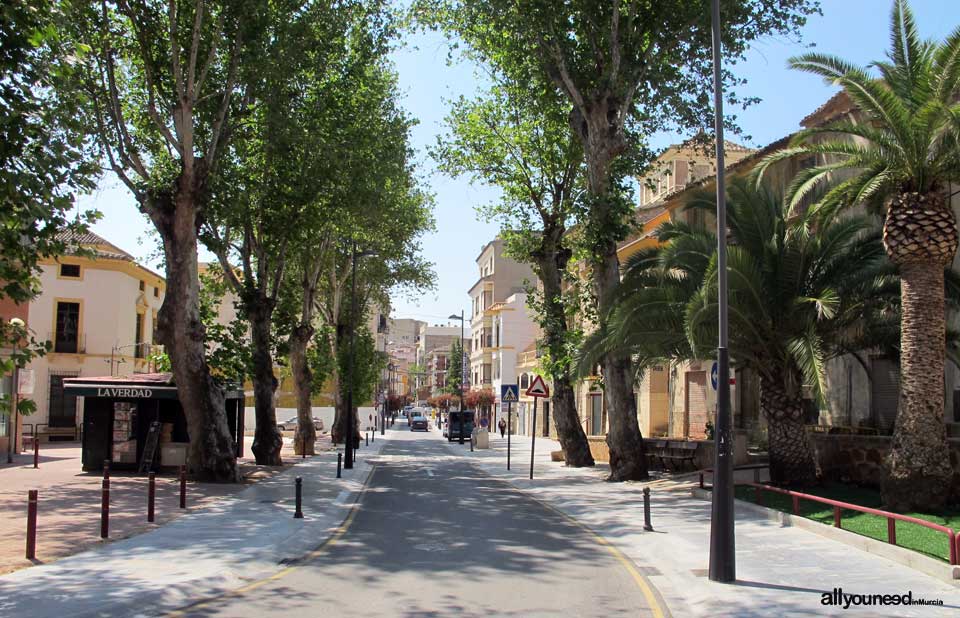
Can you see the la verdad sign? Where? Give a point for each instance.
(127, 393)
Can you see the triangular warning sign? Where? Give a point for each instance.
(538, 388)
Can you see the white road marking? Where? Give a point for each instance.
(429, 472)
(342, 496)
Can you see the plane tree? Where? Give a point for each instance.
(516, 138)
(626, 69)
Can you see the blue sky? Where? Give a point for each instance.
(856, 30)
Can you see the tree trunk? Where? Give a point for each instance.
(791, 452)
(628, 461)
(306, 437)
(551, 263)
(601, 133)
(212, 451)
(267, 440)
(920, 236)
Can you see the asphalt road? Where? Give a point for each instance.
(434, 536)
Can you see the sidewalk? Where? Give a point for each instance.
(213, 548)
(69, 500)
(780, 570)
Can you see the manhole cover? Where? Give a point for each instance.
(700, 572)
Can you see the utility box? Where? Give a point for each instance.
(481, 438)
(173, 454)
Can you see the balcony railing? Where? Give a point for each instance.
(64, 345)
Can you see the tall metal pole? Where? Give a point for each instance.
(386, 394)
(14, 404)
(460, 377)
(722, 542)
(348, 437)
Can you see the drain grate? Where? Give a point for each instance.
(269, 501)
(649, 571)
(700, 572)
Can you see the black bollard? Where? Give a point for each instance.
(646, 510)
(298, 514)
(151, 496)
(367, 438)
(339, 463)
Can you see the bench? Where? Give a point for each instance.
(679, 452)
(757, 467)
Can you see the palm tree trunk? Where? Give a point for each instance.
(918, 466)
(791, 452)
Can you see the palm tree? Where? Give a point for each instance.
(902, 155)
(801, 292)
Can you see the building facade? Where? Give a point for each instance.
(500, 278)
(100, 314)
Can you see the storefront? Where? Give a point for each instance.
(119, 411)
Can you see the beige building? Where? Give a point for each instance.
(433, 351)
(500, 278)
(100, 315)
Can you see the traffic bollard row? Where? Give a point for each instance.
(36, 452)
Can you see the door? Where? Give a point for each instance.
(546, 418)
(695, 402)
(596, 414)
(884, 392)
(62, 407)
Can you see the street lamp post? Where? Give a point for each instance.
(722, 545)
(460, 378)
(12, 428)
(348, 435)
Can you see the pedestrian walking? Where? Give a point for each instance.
(502, 425)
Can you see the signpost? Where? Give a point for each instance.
(537, 390)
(509, 394)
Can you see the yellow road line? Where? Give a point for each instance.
(338, 534)
(653, 600)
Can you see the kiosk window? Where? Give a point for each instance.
(124, 432)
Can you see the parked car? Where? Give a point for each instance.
(291, 424)
(419, 422)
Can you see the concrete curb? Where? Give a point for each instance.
(900, 555)
(86, 584)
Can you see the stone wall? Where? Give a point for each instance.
(704, 457)
(859, 459)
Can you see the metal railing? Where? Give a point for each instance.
(892, 518)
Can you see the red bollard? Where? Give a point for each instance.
(36, 452)
(31, 524)
(105, 508)
(183, 487)
(106, 469)
(151, 494)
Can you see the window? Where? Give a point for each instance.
(156, 292)
(67, 336)
(143, 285)
(524, 381)
(138, 337)
(70, 271)
(153, 328)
